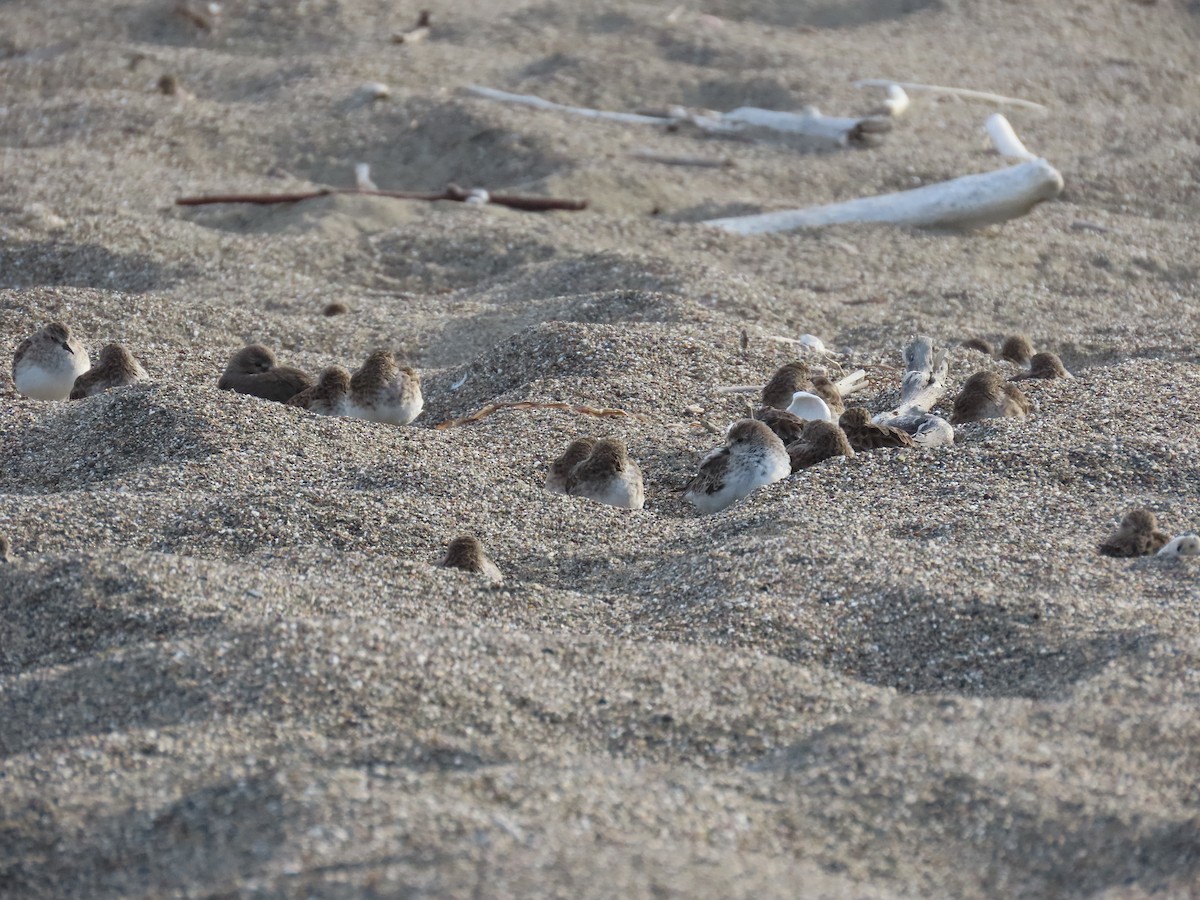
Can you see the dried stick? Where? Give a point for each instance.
(965, 93)
(669, 160)
(452, 192)
(478, 415)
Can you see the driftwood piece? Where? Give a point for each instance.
(924, 380)
(478, 415)
(452, 192)
(966, 202)
(810, 122)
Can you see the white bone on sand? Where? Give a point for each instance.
(967, 202)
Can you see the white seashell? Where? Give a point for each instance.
(375, 90)
(809, 407)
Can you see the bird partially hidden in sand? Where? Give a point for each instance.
(384, 391)
(783, 385)
(1137, 535)
(988, 396)
(466, 553)
(253, 370)
(780, 391)
(819, 441)
(864, 435)
(979, 345)
(46, 364)
(116, 368)
(329, 396)
(751, 458)
(600, 470)
(1017, 349)
(926, 429)
(1182, 546)
(1044, 365)
(787, 426)
(5, 549)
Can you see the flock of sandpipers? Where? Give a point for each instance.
(803, 420)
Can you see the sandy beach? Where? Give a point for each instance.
(229, 663)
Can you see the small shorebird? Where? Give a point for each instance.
(559, 479)
(608, 475)
(116, 368)
(787, 426)
(46, 364)
(1137, 535)
(925, 429)
(788, 378)
(751, 458)
(987, 396)
(830, 393)
(1017, 349)
(979, 345)
(253, 370)
(5, 547)
(864, 434)
(820, 441)
(1044, 365)
(329, 396)
(466, 553)
(1184, 545)
(382, 391)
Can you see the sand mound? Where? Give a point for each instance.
(229, 662)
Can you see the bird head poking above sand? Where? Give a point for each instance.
(607, 475)
(1137, 535)
(466, 553)
(855, 417)
(252, 360)
(1044, 365)
(747, 435)
(978, 344)
(328, 396)
(788, 378)
(379, 369)
(559, 479)
(116, 368)
(985, 395)
(1017, 349)
(819, 441)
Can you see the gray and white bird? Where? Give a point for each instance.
(46, 364)
(751, 458)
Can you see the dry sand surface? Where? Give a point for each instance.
(228, 663)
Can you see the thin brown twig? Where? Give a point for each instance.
(452, 192)
(481, 414)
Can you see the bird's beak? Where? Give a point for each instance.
(67, 347)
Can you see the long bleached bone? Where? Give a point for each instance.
(970, 201)
(964, 93)
(810, 122)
